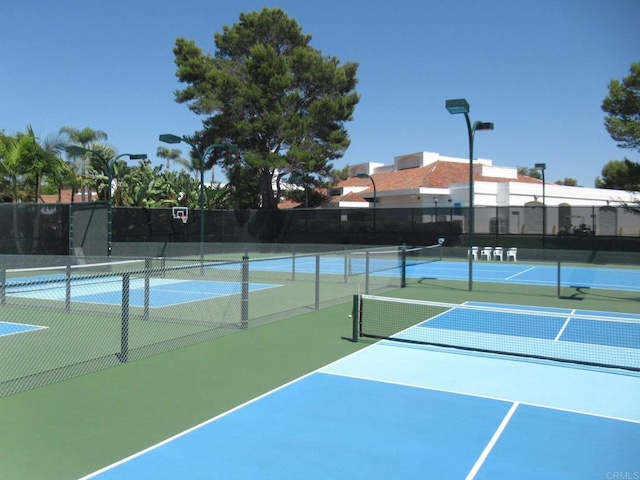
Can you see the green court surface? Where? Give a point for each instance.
(72, 428)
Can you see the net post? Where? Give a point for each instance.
(147, 287)
(403, 266)
(244, 321)
(67, 286)
(123, 356)
(317, 305)
(558, 282)
(355, 317)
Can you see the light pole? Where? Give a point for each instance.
(542, 167)
(202, 156)
(457, 106)
(435, 201)
(108, 164)
(375, 196)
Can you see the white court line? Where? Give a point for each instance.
(485, 453)
(478, 395)
(213, 419)
(195, 427)
(520, 273)
(564, 326)
(323, 371)
(32, 328)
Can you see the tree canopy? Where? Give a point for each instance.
(270, 92)
(622, 106)
(30, 165)
(530, 172)
(568, 181)
(620, 175)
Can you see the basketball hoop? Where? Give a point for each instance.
(180, 213)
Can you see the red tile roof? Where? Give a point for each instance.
(66, 198)
(439, 174)
(286, 204)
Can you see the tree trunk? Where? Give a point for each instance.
(269, 200)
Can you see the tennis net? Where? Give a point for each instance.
(602, 339)
(392, 261)
(375, 260)
(422, 255)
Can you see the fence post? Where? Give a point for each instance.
(244, 313)
(558, 288)
(366, 275)
(71, 229)
(123, 356)
(3, 282)
(317, 306)
(403, 266)
(346, 267)
(147, 288)
(293, 264)
(67, 287)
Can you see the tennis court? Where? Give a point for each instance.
(589, 276)
(427, 263)
(9, 328)
(104, 313)
(402, 409)
(106, 289)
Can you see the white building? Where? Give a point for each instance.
(430, 180)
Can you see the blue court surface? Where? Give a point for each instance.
(162, 291)
(558, 324)
(396, 410)
(531, 274)
(8, 328)
(592, 276)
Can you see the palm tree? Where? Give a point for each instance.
(85, 137)
(172, 155)
(66, 178)
(12, 151)
(42, 158)
(39, 159)
(99, 165)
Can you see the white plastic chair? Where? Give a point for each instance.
(497, 253)
(512, 253)
(486, 253)
(474, 252)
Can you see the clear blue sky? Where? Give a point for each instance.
(538, 69)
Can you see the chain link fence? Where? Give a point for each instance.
(82, 228)
(64, 316)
